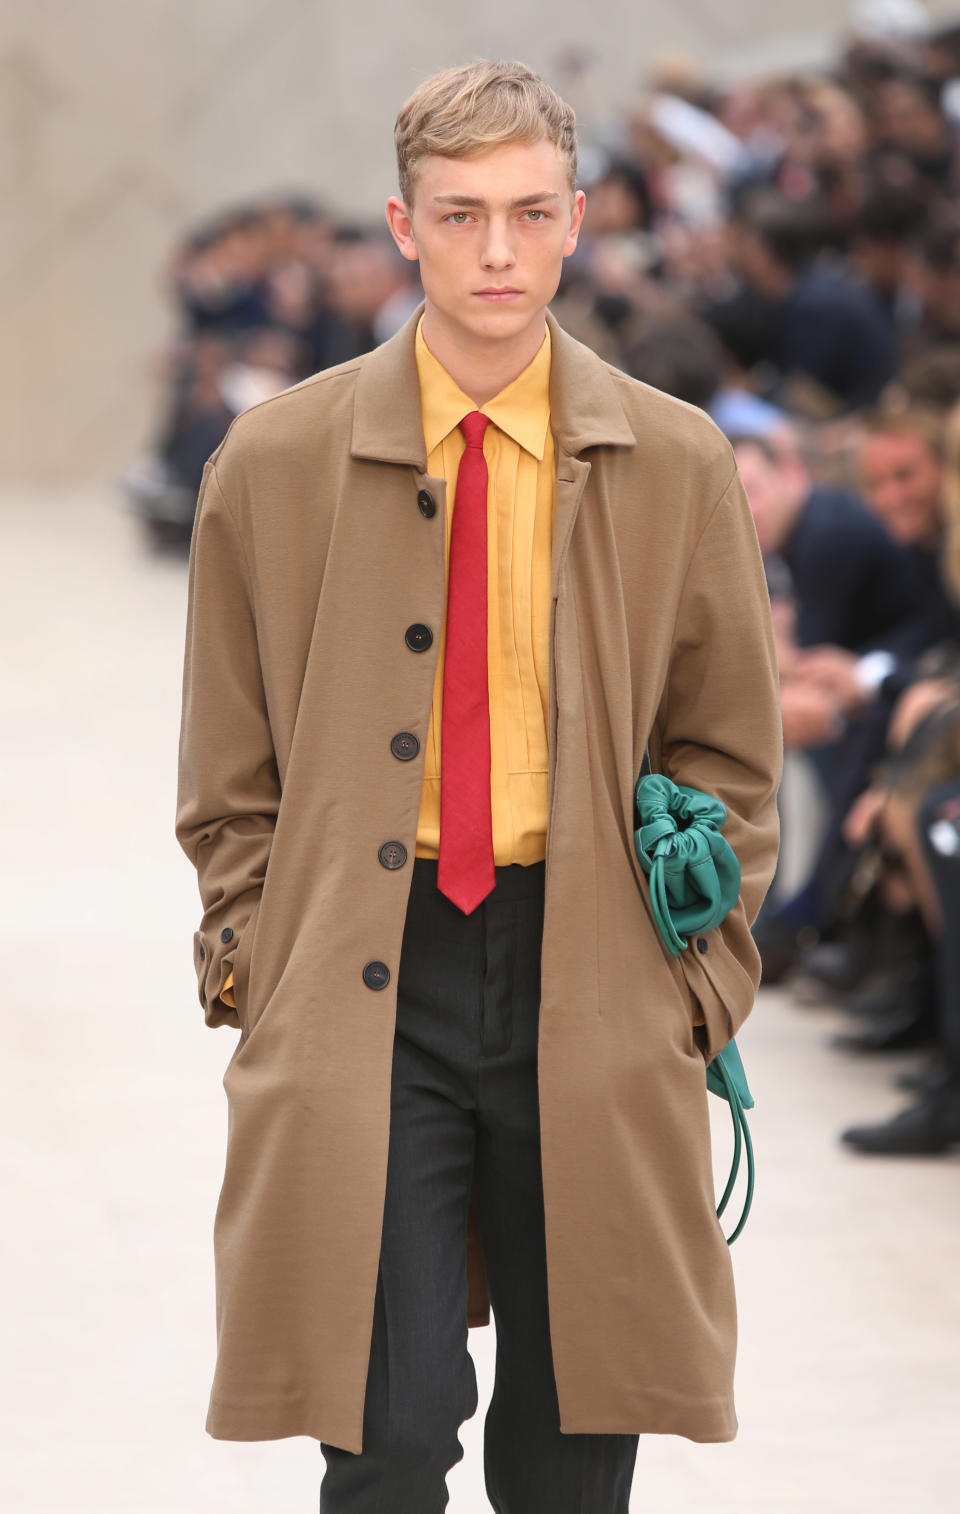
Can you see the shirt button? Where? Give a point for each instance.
(702, 943)
(427, 503)
(376, 974)
(226, 934)
(418, 637)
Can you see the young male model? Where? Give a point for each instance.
(443, 598)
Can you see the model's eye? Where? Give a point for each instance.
(540, 213)
(454, 215)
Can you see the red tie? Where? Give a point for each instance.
(465, 871)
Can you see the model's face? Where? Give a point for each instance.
(469, 233)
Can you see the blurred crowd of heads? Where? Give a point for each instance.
(783, 252)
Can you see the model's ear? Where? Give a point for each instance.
(579, 204)
(401, 226)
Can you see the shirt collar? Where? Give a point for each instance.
(521, 409)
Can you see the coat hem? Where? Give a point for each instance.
(272, 1422)
(703, 1421)
(659, 1413)
(691, 1421)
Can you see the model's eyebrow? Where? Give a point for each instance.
(544, 194)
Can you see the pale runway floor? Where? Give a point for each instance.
(114, 1123)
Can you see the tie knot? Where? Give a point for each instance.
(473, 426)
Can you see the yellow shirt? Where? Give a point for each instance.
(519, 450)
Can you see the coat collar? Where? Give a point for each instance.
(585, 408)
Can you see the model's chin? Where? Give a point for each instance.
(487, 318)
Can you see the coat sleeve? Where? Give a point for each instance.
(228, 787)
(718, 728)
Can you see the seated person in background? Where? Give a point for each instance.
(913, 808)
(911, 466)
(839, 583)
(900, 468)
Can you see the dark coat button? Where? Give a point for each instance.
(226, 934)
(404, 745)
(203, 955)
(418, 636)
(427, 503)
(702, 943)
(376, 974)
(393, 854)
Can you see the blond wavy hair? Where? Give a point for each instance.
(466, 110)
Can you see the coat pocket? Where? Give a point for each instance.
(691, 1004)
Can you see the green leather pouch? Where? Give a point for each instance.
(694, 879)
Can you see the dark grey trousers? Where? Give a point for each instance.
(464, 1103)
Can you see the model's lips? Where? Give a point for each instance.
(498, 294)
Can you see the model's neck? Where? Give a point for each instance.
(481, 366)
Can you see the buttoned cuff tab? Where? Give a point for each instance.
(213, 960)
(724, 989)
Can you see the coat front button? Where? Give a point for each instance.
(376, 975)
(404, 745)
(226, 934)
(393, 854)
(418, 636)
(427, 503)
(702, 943)
(203, 955)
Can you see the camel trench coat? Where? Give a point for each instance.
(315, 596)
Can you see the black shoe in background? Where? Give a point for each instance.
(831, 968)
(901, 1012)
(926, 1128)
(910, 986)
(900, 1030)
(780, 945)
(934, 1074)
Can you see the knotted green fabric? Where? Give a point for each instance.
(694, 878)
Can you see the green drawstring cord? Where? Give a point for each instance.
(739, 1122)
(658, 897)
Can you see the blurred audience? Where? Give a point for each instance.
(784, 253)
(266, 295)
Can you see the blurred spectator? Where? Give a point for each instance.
(937, 282)
(901, 470)
(372, 285)
(267, 294)
(830, 327)
(842, 595)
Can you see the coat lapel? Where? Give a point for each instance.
(585, 411)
